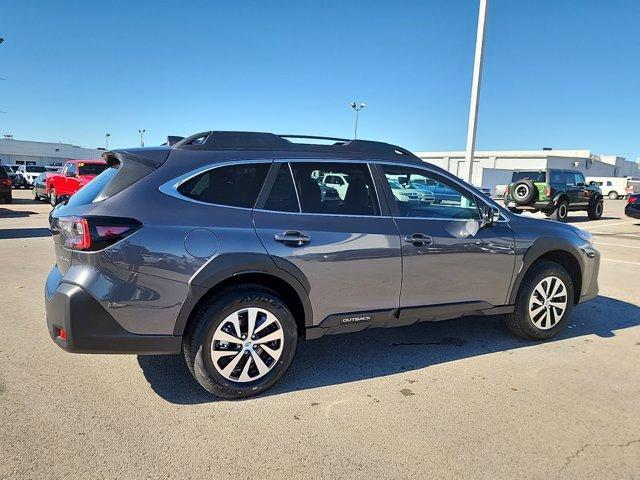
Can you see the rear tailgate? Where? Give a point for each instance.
(124, 168)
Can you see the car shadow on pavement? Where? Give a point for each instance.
(9, 213)
(585, 219)
(337, 359)
(13, 233)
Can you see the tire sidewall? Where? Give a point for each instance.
(204, 370)
(557, 214)
(530, 195)
(545, 269)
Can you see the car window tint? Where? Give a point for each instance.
(569, 178)
(556, 176)
(579, 179)
(233, 185)
(419, 194)
(353, 195)
(282, 197)
(72, 168)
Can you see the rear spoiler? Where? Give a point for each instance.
(151, 157)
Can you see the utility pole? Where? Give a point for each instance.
(357, 108)
(475, 90)
(141, 132)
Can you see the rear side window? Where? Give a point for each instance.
(533, 176)
(569, 178)
(92, 168)
(355, 195)
(233, 185)
(282, 197)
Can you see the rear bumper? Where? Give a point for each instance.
(90, 328)
(547, 205)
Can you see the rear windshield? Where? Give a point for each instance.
(533, 176)
(32, 169)
(90, 191)
(92, 168)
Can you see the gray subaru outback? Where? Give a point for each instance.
(222, 247)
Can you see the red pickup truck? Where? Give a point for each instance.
(74, 175)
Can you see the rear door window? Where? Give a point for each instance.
(233, 185)
(569, 178)
(354, 179)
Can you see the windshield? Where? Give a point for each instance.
(92, 168)
(34, 169)
(533, 176)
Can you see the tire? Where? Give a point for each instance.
(514, 210)
(524, 192)
(561, 211)
(542, 324)
(203, 336)
(613, 195)
(595, 209)
(36, 197)
(53, 198)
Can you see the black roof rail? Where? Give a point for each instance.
(227, 140)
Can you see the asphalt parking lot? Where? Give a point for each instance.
(461, 398)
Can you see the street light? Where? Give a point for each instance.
(141, 132)
(357, 108)
(106, 140)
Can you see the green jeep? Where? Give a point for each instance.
(554, 192)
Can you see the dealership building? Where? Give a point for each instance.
(23, 152)
(494, 168)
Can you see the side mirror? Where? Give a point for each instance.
(490, 216)
(69, 174)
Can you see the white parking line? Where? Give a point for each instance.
(616, 245)
(608, 225)
(637, 264)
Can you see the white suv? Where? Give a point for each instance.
(27, 175)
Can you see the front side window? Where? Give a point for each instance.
(351, 193)
(579, 179)
(72, 169)
(418, 193)
(233, 185)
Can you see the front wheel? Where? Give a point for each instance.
(543, 303)
(241, 343)
(613, 195)
(53, 198)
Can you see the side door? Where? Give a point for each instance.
(583, 192)
(347, 250)
(72, 182)
(447, 257)
(573, 191)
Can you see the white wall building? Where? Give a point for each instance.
(43, 153)
(493, 168)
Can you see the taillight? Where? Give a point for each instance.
(6, 182)
(633, 198)
(95, 233)
(548, 191)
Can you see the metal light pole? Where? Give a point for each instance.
(141, 132)
(475, 89)
(106, 140)
(357, 108)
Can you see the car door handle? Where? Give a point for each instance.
(419, 239)
(292, 236)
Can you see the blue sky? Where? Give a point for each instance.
(562, 74)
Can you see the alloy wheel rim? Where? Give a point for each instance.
(247, 344)
(548, 302)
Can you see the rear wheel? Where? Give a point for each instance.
(613, 195)
(241, 343)
(543, 304)
(561, 211)
(595, 209)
